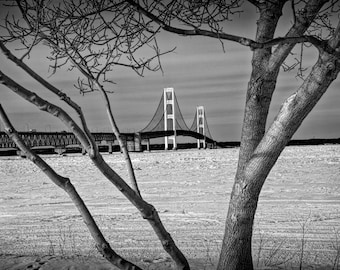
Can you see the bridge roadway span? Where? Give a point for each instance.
(62, 141)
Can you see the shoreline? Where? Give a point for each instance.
(190, 189)
(48, 150)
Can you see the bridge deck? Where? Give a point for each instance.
(63, 140)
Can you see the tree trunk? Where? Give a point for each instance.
(236, 246)
(115, 129)
(64, 183)
(148, 211)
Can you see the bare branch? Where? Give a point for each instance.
(44, 105)
(64, 183)
(297, 32)
(148, 212)
(293, 11)
(334, 42)
(239, 39)
(54, 90)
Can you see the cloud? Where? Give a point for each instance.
(200, 72)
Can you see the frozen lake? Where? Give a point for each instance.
(190, 189)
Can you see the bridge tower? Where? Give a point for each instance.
(169, 116)
(200, 125)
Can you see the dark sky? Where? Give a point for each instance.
(199, 71)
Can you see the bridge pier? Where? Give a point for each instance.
(60, 150)
(20, 153)
(133, 142)
(110, 147)
(138, 142)
(130, 144)
(148, 145)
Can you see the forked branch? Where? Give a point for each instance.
(252, 44)
(64, 183)
(53, 89)
(147, 211)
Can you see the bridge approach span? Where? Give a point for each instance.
(167, 122)
(61, 142)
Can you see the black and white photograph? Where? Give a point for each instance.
(176, 134)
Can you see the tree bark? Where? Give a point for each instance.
(64, 183)
(54, 90)
(147, 210)
(261, 85)
(236, 247)
(123, 146)
(254, 166)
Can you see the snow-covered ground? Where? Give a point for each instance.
(299, 206)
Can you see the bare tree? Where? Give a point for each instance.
(70, 46)
(147, 211)
(80, 34)
(260, 148)
(65, 184)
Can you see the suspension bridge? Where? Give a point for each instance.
(167, 122)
